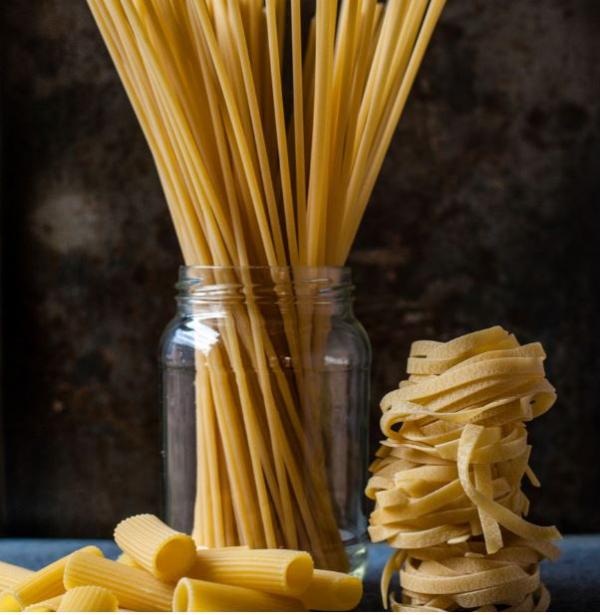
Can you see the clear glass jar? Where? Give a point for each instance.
(265, 394)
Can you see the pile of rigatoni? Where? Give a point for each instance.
(163, 570)
(253, 177)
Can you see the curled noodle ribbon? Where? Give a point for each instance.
(447, 478)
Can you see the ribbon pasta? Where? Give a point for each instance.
(447, 478)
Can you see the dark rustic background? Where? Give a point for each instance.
(486, 212)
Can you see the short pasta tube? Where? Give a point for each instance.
(135, 589)
(45, 606)
(44, 584)
(89, 598)
(275, 571)
(195, 595)
(127, 560)
(332, 591)
(10, 575)
(156, 547)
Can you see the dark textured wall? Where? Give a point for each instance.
(486, 212)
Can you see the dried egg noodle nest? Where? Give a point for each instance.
(447, 478)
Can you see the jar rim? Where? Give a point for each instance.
(235, 280)
(300, 274)
(344, 269)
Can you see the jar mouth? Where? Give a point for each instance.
(208, 282)
(304, 270)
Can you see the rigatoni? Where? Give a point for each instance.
(45, 606)
(156, 547)
(10, 575)
(332, 591)
(227, 579)
(135, 589)
(277, 571)
(44, 584)
(88, 598)
(127, 560)
(195, 595)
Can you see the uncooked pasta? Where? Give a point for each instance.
(248, 182)
(447, 480)
(224, 579)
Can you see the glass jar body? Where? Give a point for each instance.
(265, 395)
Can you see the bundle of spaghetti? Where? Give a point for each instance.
(205, 78)
(447, 478)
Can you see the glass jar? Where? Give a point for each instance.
(265, 395)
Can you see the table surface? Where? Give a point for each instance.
(573, 581)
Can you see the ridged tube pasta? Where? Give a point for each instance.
(44, 584)
(156, 547)
(276, 571)
(135, 589)
(127, 560)
(89, 598)
(196, 595)
(10, 575)
(45, 606)
(332, 591)
(447, 478)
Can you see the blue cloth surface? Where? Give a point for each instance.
(36, 553)
(573, 581)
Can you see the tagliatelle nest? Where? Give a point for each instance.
(447, 478)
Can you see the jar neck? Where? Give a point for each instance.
(316, 289)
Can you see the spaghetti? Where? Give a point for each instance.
(205, 78)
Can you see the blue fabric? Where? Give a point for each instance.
(36, 553)
(573, 581)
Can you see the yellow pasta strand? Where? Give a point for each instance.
(44, 584)
(332, 591)
(156, 547)
(10, 575)
(277, 571)
(321, 137)
(135, 589)
(88, 599)
(195, 595)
